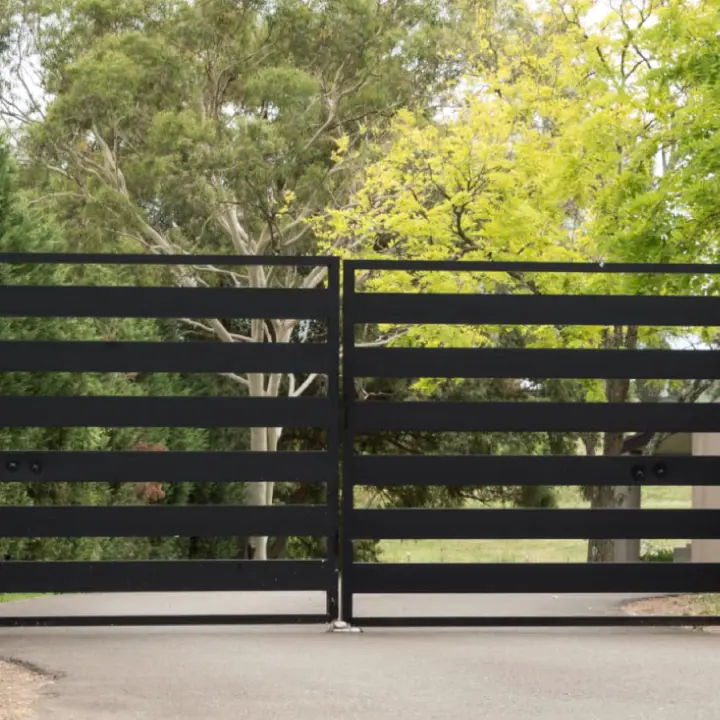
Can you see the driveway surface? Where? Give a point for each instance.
(280, 673)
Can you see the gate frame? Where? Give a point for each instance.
(118, 521)
(374, 578)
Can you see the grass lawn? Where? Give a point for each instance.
(535, 551)
(9, 597)
(707, 604)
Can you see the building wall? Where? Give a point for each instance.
(706, 497)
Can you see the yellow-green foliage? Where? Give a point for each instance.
(566, 146)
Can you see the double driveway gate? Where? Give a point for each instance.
(344, 417)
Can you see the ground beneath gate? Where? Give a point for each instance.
(232, 673)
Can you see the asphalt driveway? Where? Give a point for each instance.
(232, 673)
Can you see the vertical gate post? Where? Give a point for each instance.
(347, 557)
(334, 440)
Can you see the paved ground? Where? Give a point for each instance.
(307, 674)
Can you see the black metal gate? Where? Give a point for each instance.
(364, 417)
(218, 467)
(360, 417)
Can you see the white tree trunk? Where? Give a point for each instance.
(257, 491)
(261, 493)
(273, 436)
(264, 439)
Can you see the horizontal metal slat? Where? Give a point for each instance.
(534, 416)
(534, 363)
(443, 308)
(475, 524)
(460, 470)
(160, 620)
(164, 576)
(164, 302)
(133, 466)
(545, 621)
(186, 357)
(165, 521)
(18, 411)
(535, 578)
(149, 259)
(530, 266)
(320, 261)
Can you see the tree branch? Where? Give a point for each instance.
(52, 196)
(230, 222)
(235, 277)
(198, 325)
(236, 378)
(314, 278)
(218, 329)
(296, 392)
(384, 340)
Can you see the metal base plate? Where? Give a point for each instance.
(339, 626)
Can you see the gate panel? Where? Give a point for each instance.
(216, 467)
(368, 417)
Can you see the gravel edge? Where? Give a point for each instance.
(20, 687)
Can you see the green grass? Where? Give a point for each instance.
(532, 551)
(670, 498)
(707, 604)
(11, 597)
